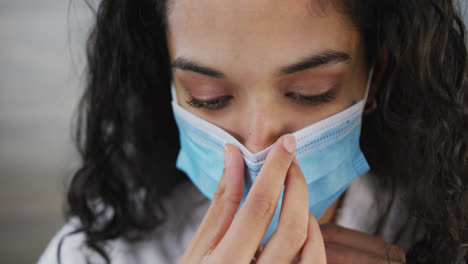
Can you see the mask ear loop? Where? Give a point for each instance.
(173, 93)
(366, 93)
(369, 82)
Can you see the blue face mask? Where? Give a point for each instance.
(328, 154)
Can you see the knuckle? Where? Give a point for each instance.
(263, 206)
(207, 259)
(222, 196)
(398, 253)
(384, 261)
(295, 237)
(223, 199)
(402, 255)
(220, 193)
(232, 200)
(210, 257)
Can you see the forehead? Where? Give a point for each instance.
(229, 33)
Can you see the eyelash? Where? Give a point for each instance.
(315, 99)
(308, 100)
(211, 104)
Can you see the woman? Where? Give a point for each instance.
(255, 72)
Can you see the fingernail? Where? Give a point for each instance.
(289, 143)
(227, 156)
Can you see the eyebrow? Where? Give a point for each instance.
(325, 58)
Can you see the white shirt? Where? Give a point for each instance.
(187, 206)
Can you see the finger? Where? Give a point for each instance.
(337, 254)
(223, 207)
(361, 241)
(314, 248)
(253, 218)
(291, 233)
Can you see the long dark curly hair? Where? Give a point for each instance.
(417, 139)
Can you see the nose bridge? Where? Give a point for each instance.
(263, 125)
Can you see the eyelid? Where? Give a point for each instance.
(314, 99)
(213, 104)
(204, 91)
(220, 102)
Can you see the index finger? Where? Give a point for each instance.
(252, 220)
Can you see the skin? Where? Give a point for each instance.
(241, 50)
(250, 41)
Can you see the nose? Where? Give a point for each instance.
(263, 125)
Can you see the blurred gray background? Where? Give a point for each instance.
(41, 66)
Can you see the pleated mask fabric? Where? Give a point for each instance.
(327, 151)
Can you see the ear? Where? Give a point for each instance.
(381, 62)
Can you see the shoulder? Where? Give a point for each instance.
(368, 208)
(70, 242)
(185, 210)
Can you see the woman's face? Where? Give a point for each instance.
(260, 69)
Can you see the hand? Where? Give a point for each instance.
(344, 245)
(221, 238)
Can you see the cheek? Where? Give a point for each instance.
(350, 96)
(306, 115)
(355, 89)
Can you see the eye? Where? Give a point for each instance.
(211, 104)
(326, 97)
